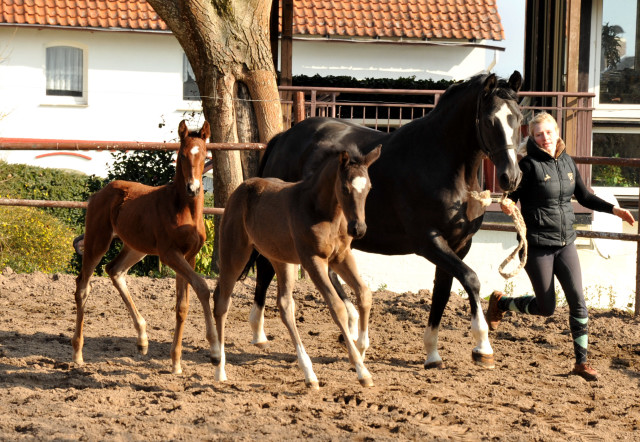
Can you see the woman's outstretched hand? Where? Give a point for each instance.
(624, 214)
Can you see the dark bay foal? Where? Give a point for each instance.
(312, 223)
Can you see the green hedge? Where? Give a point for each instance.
(37, 183)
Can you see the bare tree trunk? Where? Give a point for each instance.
(227, 43)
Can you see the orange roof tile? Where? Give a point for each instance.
(121, 14)
(419, 19)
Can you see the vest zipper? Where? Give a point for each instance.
(563, 233)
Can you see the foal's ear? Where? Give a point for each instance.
(205, 132)
(372, 156)
(490, 84)
(344, 158)
(183, 130)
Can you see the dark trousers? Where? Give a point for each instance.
(543, 263)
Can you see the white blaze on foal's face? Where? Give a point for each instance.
(359, 183)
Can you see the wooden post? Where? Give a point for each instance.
(298, 107)
(573, 52)
(286, 53)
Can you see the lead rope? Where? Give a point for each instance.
(485, 199)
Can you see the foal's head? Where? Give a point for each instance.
(352, 188)
(191, 156)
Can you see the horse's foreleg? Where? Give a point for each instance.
(117, 270)
(264, 275)
(351, 310)
(185, 276)
(286, 306)
(449, 262)
(348, 270)
(318, 271)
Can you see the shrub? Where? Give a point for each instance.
(205, 256)
(31, 182)
(34, 240)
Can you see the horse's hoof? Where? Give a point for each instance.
(261, 345)
(366, 382)
(312, 385)
(143, 349)
(484, 361)
(435, 364)
(176, 370)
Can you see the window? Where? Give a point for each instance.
(190, 90)
(616, 64)
(619, 46)
(614, 142)
(65, 71)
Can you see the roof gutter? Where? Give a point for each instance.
(88, 28)
(400, 41)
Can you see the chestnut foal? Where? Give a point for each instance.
(166, 221)
(312, 223)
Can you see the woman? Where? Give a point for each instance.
(549, 179)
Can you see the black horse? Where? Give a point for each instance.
(420, 198)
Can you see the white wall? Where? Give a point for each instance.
(382, 60)
(134, 92)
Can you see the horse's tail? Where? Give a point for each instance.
(250, 264)
(267, 152)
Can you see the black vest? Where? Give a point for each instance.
(545, 196)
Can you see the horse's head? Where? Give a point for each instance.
(498, 127)
(352, 188)
(191, 157)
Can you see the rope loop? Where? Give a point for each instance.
(485, 199)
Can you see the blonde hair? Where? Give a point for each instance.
(542, 117)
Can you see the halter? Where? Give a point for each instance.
(483, 146)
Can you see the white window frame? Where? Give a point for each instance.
(66, 100)
(605, 112)
(186, 105)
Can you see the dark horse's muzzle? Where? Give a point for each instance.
(357, 229)
(510, 181)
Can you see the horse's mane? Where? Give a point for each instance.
(503, 90)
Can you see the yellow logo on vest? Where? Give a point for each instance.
(570, 175)
(546, 177)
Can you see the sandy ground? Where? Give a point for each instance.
(121, 395)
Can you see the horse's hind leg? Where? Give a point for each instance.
(96, 245)
(286, 305)
(441, 294)
(318, 271)
(351, 310)
(117, 270)
(264, 275)
(348, 270)
(233, 258)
